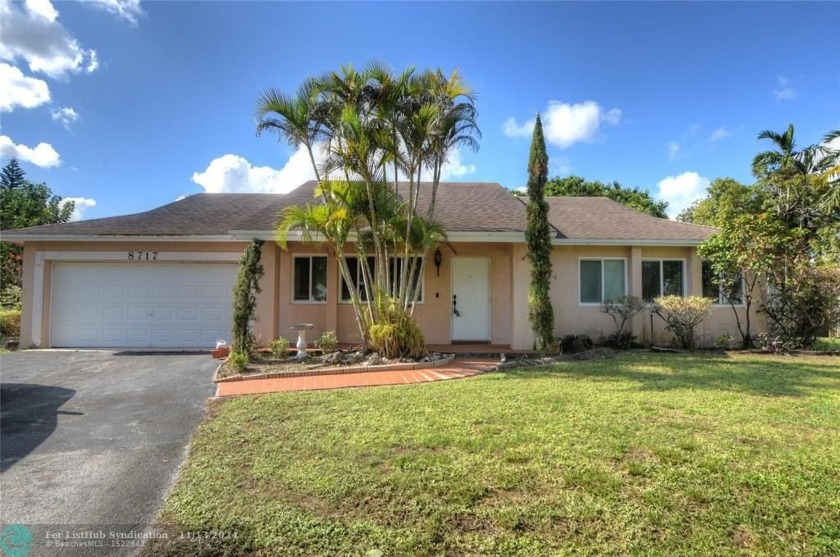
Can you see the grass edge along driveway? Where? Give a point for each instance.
(639, 455)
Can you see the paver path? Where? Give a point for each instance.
(460, 367)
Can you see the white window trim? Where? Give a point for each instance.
(601, 259)
(310, 301)
(390, 257)
(662, 274)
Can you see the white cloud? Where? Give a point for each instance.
(233, 173)
(128, 10)
(42, 8)
(82, 204)
(673, 150)
(681, 191)
(785, 91)
(42, 155)
(454, 167)
(65, 115)
(33, 34)
(613, 116)
(565, 124)
(181, 197)
(511, 129)
(20, 90)
(720, 133)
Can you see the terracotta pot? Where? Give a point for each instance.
(220, 353)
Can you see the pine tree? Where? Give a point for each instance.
(538, 238)
(245, 297)
(11, 176)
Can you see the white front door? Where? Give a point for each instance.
(470, 299)
(155, 305)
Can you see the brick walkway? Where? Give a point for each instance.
(460, 367)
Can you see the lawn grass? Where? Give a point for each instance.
(639, 455)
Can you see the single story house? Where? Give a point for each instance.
(163, 278)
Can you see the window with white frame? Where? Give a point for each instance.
(309, 278)
(713, 288)
(664, 277)
(395, 265)
(601, 279)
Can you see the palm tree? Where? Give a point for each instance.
(370, 123)
(830, 171)
(784, 158)
(293, 118)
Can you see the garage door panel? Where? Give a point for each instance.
(144, 306)
(211, 314)
(139, 292)
(113, 314)
(163, 292)
(113, 336)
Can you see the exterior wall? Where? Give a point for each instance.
(265, 327)
(433, 314)
(510, 278)
(572, 317)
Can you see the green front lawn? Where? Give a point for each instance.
(640, 455)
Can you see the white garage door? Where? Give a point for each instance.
(141, 305)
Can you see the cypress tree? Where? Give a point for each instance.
(538, 238)
(245, 293)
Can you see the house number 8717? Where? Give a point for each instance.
(142, 255)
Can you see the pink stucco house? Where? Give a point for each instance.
(163, 278)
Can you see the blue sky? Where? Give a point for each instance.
(127, 105)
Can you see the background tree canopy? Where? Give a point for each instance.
(575, 186)
(24, 204)
(784, 233)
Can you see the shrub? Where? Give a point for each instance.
(238, 361)
(10, 297)
(10, 323)
(327, 342)
(621, 339)
(805, 305)
(279, 347)
(623, 309)
(682, 316)
(396, 334)
(571, 344)
(724, 341)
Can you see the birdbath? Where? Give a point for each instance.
(301, 329)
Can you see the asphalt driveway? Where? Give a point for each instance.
(91, 442)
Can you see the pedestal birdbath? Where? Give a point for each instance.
(301, 329)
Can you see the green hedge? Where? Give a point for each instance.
(10, 323)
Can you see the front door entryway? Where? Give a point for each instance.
(470, 299)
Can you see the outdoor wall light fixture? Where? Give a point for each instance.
(438, 260)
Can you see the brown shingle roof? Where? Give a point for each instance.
(601, 218)
(211, 214)
(474, 207)
(461, 207)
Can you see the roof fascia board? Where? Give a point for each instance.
(246, 235)
(628, 242)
